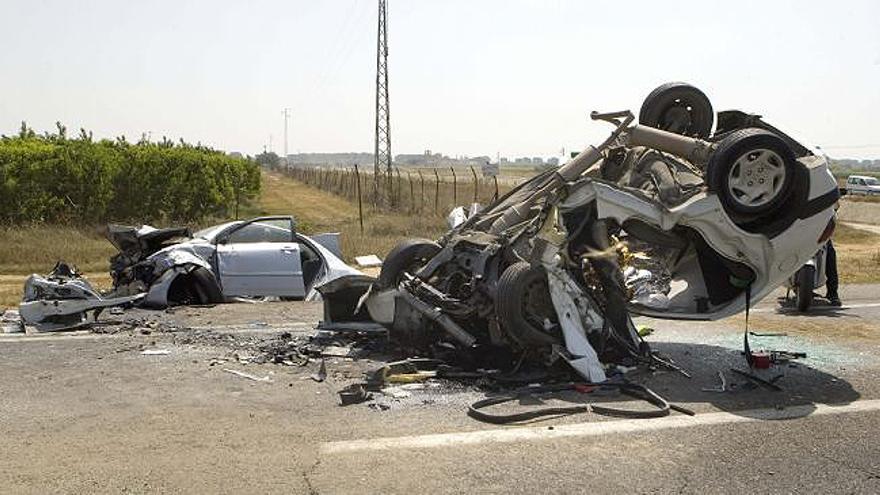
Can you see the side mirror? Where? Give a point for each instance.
(221, 240)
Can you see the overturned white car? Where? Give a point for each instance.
(665, 218)
(160, 267)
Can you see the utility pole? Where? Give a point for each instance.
(382, 155)
(286, 114)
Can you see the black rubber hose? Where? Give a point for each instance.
(632, 389)
(500, 419)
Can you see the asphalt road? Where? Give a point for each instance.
(89, 413)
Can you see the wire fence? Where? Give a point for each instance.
(416, 191)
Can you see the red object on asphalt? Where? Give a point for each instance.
(760, 360)
(584, 388)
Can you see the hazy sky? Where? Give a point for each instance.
(467, 77)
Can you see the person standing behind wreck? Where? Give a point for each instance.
(831, 278)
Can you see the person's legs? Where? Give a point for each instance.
(831, 282)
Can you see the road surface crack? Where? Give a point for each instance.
(306, 476)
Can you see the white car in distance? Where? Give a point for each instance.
(862, 185)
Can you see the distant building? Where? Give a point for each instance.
(553, 162)
(330, 159)
(490, 169)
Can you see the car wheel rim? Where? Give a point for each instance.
(678, 118)
(756, 178)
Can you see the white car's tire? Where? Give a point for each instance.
(752, 171)
(680, 108)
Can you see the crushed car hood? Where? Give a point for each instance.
(139, 242)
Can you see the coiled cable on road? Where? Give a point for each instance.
(662, 406)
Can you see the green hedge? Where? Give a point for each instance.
(51, 178)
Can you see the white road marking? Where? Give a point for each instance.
(864, 226)
(596, 428)
(50, 336)
(296, 328)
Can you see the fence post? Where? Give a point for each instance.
(390, 181)
(454, 188)
(436, 190)
(399, 201)
(412, 195)
(356, 181)
(495, 198)
(357, 177)
(476, 183)
(422, 182)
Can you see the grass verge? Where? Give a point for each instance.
(858, 255)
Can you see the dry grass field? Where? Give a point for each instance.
(318, 211)
(858, 255)
(35, 249)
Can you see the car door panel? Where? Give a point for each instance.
(261, 269)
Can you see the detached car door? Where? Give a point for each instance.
(260, 258)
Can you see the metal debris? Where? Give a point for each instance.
(11, 322)
(321, 374)
(353, 394)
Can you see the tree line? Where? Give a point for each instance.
(54, 178)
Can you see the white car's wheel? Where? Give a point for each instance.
(680, 108)
(756, 178)
(752, 171)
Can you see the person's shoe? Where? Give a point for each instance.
(834, 300)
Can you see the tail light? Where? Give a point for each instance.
(829, 230)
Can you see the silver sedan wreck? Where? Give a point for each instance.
(665, 218)
(160, 267)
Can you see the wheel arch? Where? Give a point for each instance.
(160, 290)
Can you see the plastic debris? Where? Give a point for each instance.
(264, 379)
(336, 351)
(368, 260)
(418, 376)
(395, 392)
(321, 375)
(155, 352)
